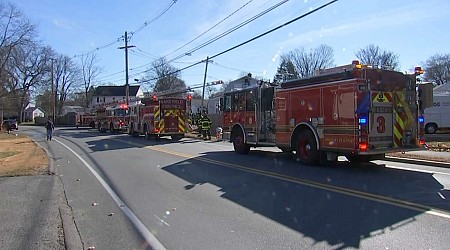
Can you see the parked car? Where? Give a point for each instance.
(9, 125)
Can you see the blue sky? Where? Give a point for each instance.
(413, 29)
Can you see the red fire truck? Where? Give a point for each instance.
(86, 120)
(156, 117)
(353, 110)
(112, 117)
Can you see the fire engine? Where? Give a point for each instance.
(111, 117)
(354, 110)
(86, 120)
(155, 117)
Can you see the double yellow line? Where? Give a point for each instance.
(346, 191)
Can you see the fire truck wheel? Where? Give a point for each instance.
(239, 145)
(307, 152)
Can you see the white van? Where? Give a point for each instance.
(438, 116)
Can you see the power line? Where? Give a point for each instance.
(212, 27)
(250, 40)
(229, 31)
(157, 16)
(120, 39)
(242, 24)
(274, 29)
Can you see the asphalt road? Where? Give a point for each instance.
(201, 195)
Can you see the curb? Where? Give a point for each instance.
(418, 161)
(72, 238)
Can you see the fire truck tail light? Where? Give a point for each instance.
(363, 146)
(422, 141)
(421, 119)
(157, 130)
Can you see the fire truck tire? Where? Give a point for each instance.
(430, 128)
(239, 145)
(306, 148)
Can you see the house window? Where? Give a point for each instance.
(104, 100)
(98, 99)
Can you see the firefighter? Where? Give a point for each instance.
(205, 124)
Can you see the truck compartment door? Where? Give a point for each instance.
(171, 121)
(381, 125)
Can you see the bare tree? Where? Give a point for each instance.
(89, 71)
(375, 56)
(437, 69)
(164, 76)
(15, 31)
(29, 66)
(306, 63)
(66, 78)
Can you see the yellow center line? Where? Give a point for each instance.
(346, 191)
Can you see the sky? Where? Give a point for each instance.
(415, 30)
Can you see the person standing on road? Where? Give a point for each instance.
(50, 127)
(206, 122)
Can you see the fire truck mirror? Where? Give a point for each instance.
(425, 94)
(267, 98)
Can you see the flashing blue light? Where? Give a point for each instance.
(421, 119)
(363, 120)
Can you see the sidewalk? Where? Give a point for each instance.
(436, 158)
(29, 212)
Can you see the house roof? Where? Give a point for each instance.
(115, 90)
(32, 109)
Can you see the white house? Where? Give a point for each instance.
(108, 94)
(31, 112)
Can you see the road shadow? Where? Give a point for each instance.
(275, 186)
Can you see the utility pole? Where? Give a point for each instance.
(127, 85)
(204, 82)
